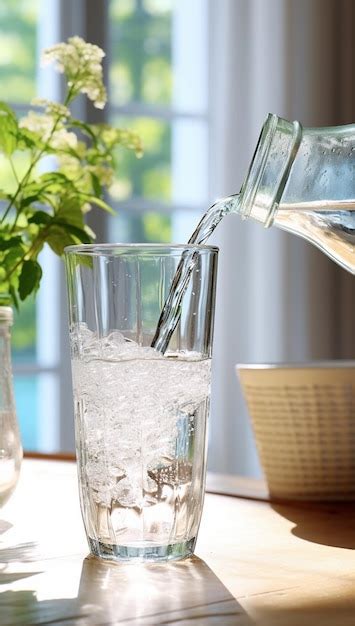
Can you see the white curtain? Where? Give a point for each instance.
(279, 299)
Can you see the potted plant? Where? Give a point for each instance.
(47, 206)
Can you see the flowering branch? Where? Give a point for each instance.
(49, 208)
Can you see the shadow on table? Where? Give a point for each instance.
(330, 524)
(20, 553)
(144, 594)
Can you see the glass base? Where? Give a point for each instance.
(170, 552)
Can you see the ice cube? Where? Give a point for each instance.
(115, 338)
(130, 402)
(127, 493)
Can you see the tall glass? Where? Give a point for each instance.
(140, 415)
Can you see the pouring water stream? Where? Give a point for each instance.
(170, 314)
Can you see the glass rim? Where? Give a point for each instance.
(92, 249)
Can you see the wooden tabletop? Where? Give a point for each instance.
(256, 563)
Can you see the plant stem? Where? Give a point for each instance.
(13, 170)
(30, 252)
(40, 239)
(24, 180)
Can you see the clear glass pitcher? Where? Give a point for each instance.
(303, 181)
(10, 443)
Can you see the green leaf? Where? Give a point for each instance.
(4, 195)
(30, 277)
(96, 185)
(5, 244)
(99, 202)
(12, 257)
(58, 239)
(69, 211)
(90, 232)
(79, 233)
(14, 297)
(8, 129)
(21, 222)
(85, 128)
(40, 217)
(56, 182)
(27, 201)
(26, 139)
(33, 193)
(54, 177)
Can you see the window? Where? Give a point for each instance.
(157, 83)
(158, 86)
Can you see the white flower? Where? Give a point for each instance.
(43, 124)
(121, 136)
(39, 123)
(63, 139)
(103, 173)
(52, 108)
(82, 64)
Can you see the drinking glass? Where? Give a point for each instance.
(140, 414)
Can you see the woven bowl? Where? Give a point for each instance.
(303, 418)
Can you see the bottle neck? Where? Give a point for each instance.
(6, 318)
(6, 315)
(269, 170)
(6, 393)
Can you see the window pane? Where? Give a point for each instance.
(23, 334)
(174, 165)
(37, 406)
(147, 227)
(26, 394)
(159, 52)
(149, 177)
(18, 27)
(140, 38)
(189, 162)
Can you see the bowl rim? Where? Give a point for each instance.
(322, 364)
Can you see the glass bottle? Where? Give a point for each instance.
(10, 444)
(302, 180)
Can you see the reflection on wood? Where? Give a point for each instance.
(110, 594)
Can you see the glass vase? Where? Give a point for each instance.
(10, 443)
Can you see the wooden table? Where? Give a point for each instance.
(256, 563)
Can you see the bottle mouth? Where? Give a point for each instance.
(268, 173)
(6, 314)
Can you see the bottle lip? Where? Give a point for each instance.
(257, 165)
(274, 169)
(6, 314)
